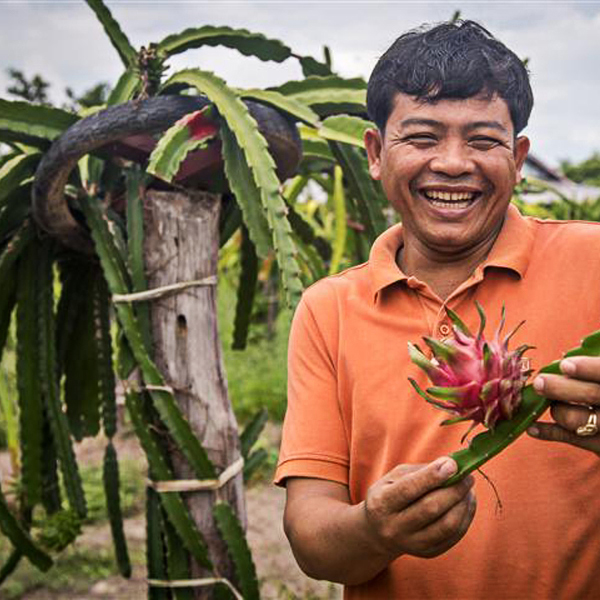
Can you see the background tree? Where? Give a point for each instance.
(116, 213)
(586, 171)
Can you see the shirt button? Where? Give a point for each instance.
(445, 329)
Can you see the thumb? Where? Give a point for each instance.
(552, 432)
(413, 485)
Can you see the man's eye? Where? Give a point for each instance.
(484, 143)
(421, 139)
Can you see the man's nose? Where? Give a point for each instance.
(452, 159)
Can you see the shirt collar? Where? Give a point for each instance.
(511, 250)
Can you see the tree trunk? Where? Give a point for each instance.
(182, 244)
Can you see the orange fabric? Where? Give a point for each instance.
(352, 415)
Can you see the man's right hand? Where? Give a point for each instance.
(409, 513)
(405, 512)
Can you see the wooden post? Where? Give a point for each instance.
(182, 244)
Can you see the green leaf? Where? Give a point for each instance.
(311, 259)
(32, 124)
(284, 104)
(254, 462)
(254, 147)
(345, 128)
(77, 347)
(230, 220)
(171, 502)
(48, 369)
(126, 87)
(339, 206)
(15, 171)
(51, 497)
(246, 192)
(246, 291)
(113, 506)
(91, 170)
(20, 539)
(252, 431)
(15, 211)
(154, 546)
(12, 562)
(246, 42)
(237, 546)
(136, 182)
(59, 530)
(112, 265)
(310, 66)
(302, 229)
(118, 39)
(313, 146)
(486, 445)
(293, 188)
(178, 563)
(7, 303)
(189, 133)
(28, 379)
(19, 241)
(104, 351)
(327, 95)
(362, 187)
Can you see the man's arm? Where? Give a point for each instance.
(572, 393)
(405, 512)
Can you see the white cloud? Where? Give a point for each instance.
(65, 43)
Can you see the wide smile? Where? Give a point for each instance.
(450, 201)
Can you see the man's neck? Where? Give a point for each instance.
(442, 273)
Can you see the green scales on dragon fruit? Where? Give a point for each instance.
(482, 381)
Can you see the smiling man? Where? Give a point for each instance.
(363, 457)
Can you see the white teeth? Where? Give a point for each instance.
(449, 196)
(455, 205)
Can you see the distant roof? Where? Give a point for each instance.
(538, 172)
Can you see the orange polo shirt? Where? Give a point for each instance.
(352, 415)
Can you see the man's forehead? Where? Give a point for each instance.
(481, 110)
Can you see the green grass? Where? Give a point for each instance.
(257, 376)
(75, 570)
(132, 480)
(77, 567)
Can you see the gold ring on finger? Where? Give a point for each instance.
(591, 427)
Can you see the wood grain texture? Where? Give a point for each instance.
(182, 244)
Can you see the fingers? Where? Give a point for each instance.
(580, 386)
(405, 488)
(432, 507)
(582, 367)
(448, 530)
(570, 417)
(552, 432)
(408, 512)
(567, 389)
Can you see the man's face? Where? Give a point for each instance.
(449, 169)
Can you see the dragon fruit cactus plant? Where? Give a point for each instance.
(473, 379)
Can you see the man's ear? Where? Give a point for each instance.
(521, 149)
(373, 145)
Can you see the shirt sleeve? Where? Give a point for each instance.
(314, 442)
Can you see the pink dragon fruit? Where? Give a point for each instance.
(472, 378)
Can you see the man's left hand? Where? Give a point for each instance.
(574, 396)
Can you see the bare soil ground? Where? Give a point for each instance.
(280, 577)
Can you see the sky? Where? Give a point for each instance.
(63, 41)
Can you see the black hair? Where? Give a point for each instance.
(457, 59)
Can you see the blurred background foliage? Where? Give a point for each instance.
(257, 375)
(319, 196)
